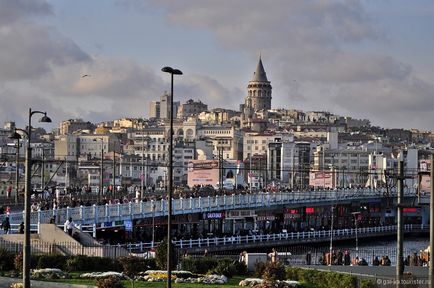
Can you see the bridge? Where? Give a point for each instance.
(279, 239)
(92, 215)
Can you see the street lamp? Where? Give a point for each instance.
(101, 171)
(28, 166)
(331, 237)
(17, 171)
(153, 223)
(172, 72)
(355, 214)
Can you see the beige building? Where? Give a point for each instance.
(223, 137)
(72, 125)
(71, 147)
(258, 143)
(191, 108)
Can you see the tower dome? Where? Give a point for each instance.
(259, 90)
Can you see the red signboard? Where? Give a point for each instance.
(310, 210)
(409, 210)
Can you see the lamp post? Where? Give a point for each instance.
(142, 174)
(331, 237)
(17, 170)
(153, 224)
(355, 214)
(101, 172)
(27, 191)
(172, 72)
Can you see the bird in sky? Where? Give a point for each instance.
(85, 75)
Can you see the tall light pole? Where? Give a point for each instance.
(17, 170)
(101, 170)
(27, 191)
(153, 224)
(142, 174)
(172, 72)
(331, 237)
(355, 214)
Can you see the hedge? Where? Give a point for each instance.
(323, 279)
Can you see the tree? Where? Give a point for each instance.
(161, 255)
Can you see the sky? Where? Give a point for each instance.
(365, 59)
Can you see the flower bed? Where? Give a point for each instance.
(259, 283)
(99, 275)
(208, 279)
(50, 273)
(181, 277)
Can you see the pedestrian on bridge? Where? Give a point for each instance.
(69, 226)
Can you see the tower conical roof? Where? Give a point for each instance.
(259, 75)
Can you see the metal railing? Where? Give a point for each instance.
(264, 238)
(115, 212)
(141, 249)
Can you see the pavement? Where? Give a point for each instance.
(5, 282)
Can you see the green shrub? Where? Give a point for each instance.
(50, 261)
(18, 262)
(97, 264)
(6, 260)
(240, 268)
(161, 255)
(325, 279)
(367, 284)
(258, 269)
(132, 265)
(199, 265)
(109, 282)
(224, 267)
(274, 271)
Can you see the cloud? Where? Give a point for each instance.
(314, 53)
(209, 91)
(321, 47)
(17, 10)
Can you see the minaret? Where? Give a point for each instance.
(259, 90)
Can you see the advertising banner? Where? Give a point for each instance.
(203, 172)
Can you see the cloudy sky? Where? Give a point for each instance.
(365, 59)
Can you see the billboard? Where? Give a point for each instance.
(203, 172)
(321, 179)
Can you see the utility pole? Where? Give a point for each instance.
(142, 174)
(431, 226)
(17, 171)
(114, 174)
(400, 231)
(220, 153)
(42, 170)
(331, 237)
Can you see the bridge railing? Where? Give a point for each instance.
(133, 210)
(249, 239)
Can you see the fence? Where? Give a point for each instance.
(272, 239)
(38, 247)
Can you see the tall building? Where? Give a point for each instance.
(154, 109)
(258, 96)
(161, 109)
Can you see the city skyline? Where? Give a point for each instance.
(364, 59)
